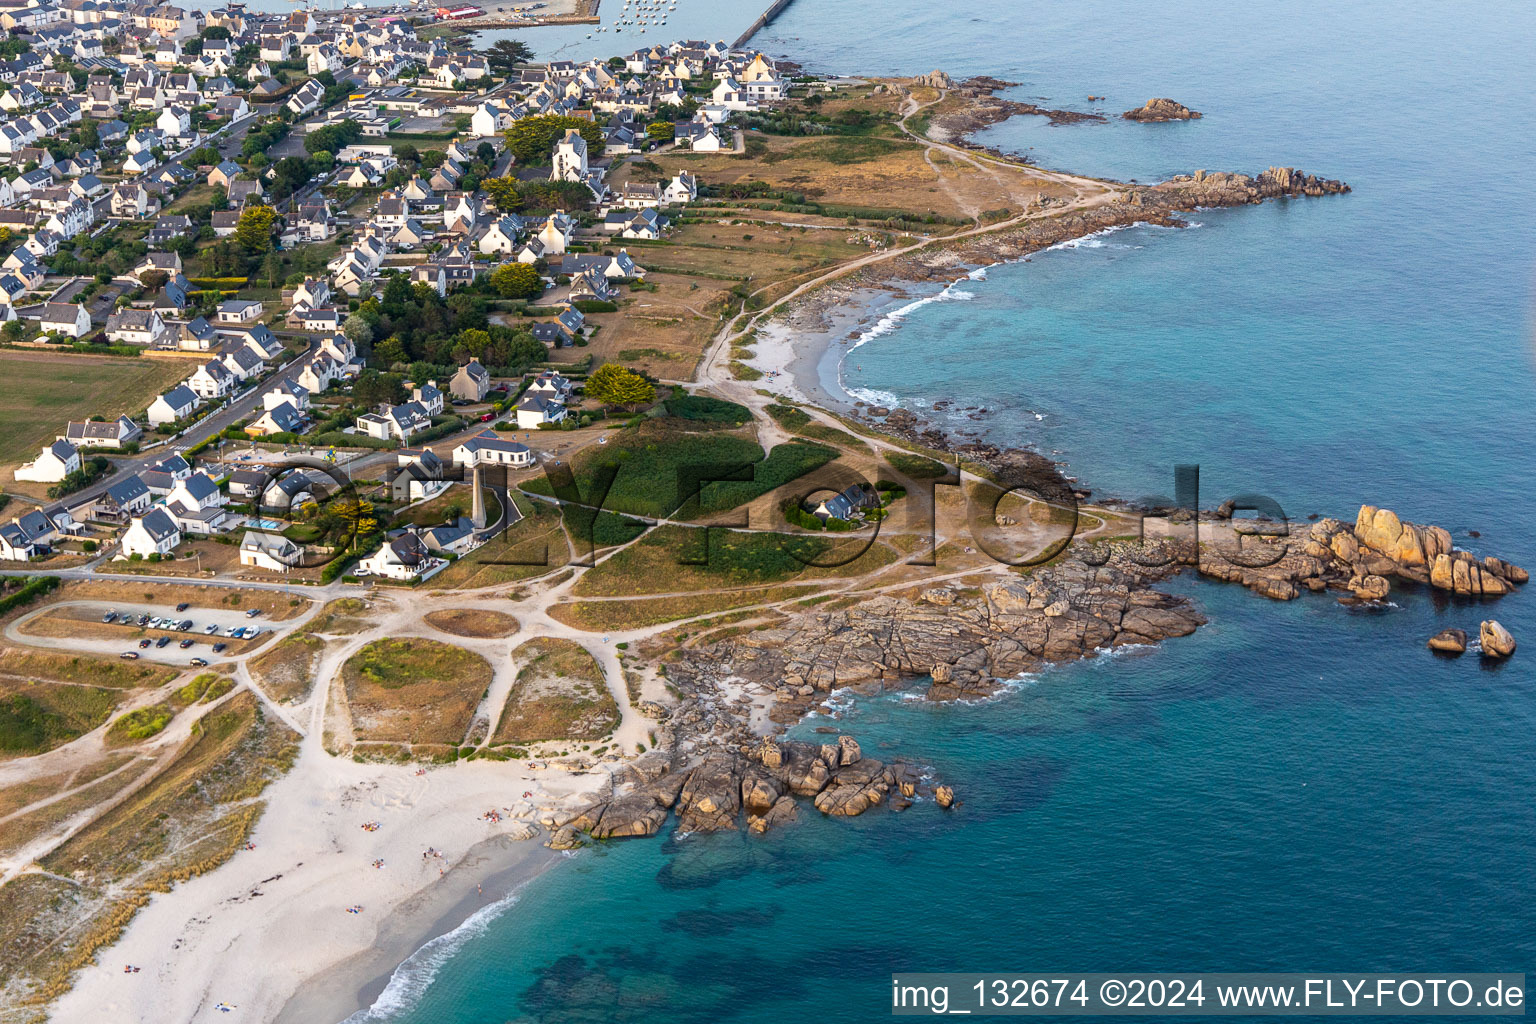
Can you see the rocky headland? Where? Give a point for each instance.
(983, 107)
(1162, 109)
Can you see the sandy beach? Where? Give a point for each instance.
(280, 910)
(805, 346)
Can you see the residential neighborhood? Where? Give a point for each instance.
(288, 213)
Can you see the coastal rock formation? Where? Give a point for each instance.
(966, 644)
(1495, 640)
(758, 781)
(945, 796)
(1365, 558)
(1449, 641)
(983, 108)
(1225, 188)
(1162, 109)
(935, 80)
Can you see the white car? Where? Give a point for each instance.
(233, 631)
(211, 628)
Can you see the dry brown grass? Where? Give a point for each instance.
(559, 694)
(534, 547)
(26, 663)
(272, 603)
(480, 623)
(414, 690)
(26, 827)
(603, 616)
(347, 615)
(287, 671)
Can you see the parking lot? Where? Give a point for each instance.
(170, 634)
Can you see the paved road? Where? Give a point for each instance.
(236, 410)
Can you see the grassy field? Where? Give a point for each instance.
(559, 695)
(413, 690)
(36, 717)
(44, 390)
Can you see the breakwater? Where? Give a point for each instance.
(762, 22)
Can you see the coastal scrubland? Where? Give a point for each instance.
(188, 818)
(411, 690)
(559, 694)
(478, 623)
(286, 673)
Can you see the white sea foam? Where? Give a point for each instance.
(890, 321)
(412, 978)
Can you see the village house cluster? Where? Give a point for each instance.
(109, 114)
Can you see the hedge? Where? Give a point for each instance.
(33, 589)
(595, 306)
(220, 282)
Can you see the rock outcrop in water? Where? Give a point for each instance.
(757, 782)
(1227, 188)
(1495, 640)
(1364, 559)
(1162, 109)
(1449, 641)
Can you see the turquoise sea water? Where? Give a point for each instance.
(1295, 787)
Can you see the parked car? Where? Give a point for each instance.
(155, 622)
(211, 628)
(162, 641)
(219, 647)
(198, 662)
(130, 655)
(109, 617)
(233, 631)
(253, 613)
(182, 607)
(145, 643)
(186, 643)
(144, 619)
(184, 625)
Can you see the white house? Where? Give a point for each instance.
(212, 380)
(177, 403)
(270, 551)
(403, 557)
(67, 318)
(534, 410)
(135, 327)
(489, 449)
(53, 464)
(570, 157)
(153, 533)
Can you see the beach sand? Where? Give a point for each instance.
(270, 928)
(808, 344)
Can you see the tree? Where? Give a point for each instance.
(507, 54)
(271, 270)
(532, 139)
(358, 515)
(153, 280)
(374, 388)
(254, 229)
(503, 192)
(659, 131)
(357, 329)
(612, 384)
(517, 281)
